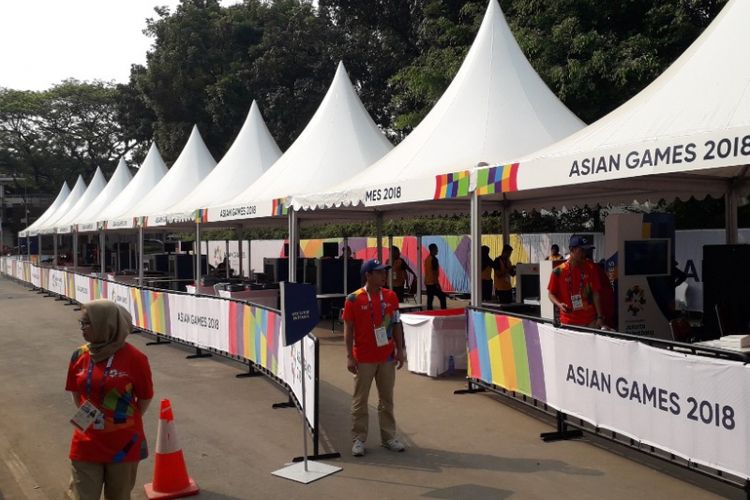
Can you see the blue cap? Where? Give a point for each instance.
(371, 265)
(580, 241)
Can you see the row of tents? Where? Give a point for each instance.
(498, 134)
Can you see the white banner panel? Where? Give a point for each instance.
(83, 291)
(36, 276)
(290, 359)
(692, 406)
(200, 320)
(120, 294)
(57, 282)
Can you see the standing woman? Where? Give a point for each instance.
(487, 267)
(110, 381)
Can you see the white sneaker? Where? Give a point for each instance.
(358, 448)
(394, 445)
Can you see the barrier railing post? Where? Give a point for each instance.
(562, 433)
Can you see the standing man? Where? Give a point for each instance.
(574, 287)
(504, 271)
(431, 281)
(554, 253)
(374, 349)
(399, 268)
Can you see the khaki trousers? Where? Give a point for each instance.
(87, 480)
(385, 380)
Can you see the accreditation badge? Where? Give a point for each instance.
(381, 337)
(86, 415)
(577, 301)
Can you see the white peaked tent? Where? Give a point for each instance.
(340, 140)
(251, 153)
(686, 133)
(151, 171)
(192, 166)
(96, 186)
(75, 194)
(86, 221)
(59, 200)
(496, 107)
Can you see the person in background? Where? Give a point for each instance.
(486, 271)
(504, 271)
(374, 350)
(346, 251)
(431, 279)
(110, 382)
(399, 268)
(574, 287)
(554, 253)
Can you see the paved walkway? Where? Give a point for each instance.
(471, 446)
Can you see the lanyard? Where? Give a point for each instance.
(372, 313)
(569, 280)
(90, 376)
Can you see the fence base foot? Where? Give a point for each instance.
(199, 353)
(251, 372)
(562, 433)
(470, 389)
(158, 341)
(321, 456)
(285, 404)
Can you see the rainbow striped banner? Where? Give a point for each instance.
(279, 207)
(254, 334)
(70, 285)
(505, 351)
(151, 310)
(500, 179)
(97, 289)
(453, 185)
(200, 216)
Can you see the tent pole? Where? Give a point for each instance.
(390, 261)
(293, 242)
(102, 252)
(39, 250)
(226, 257)
(476, 244)
(74, 235)
(730, 213)
(419, 269)
(28, 248)
(345, 261)
(140, 255)
(238, 234)
(379, 234)
(506, 222)
(55, 248)
(197, 252)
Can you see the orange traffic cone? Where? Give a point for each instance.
(171, 479)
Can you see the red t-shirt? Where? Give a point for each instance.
(116, 395)
(358, 309)
(566, 281)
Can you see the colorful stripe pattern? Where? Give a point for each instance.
(97, 289)
(452, 185)
(255, 334)
(151, 310)
(70, 284)
(279, 207)
(500, 179)
(505, 351)
(200, 216)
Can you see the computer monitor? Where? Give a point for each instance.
(647, 257)
(330, 249)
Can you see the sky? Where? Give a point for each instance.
(43, 42)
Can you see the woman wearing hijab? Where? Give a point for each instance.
(110, 381)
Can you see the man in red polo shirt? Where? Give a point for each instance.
(374, 349)
(574, 287)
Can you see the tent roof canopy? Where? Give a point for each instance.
(252, 153)
(59, 200)
(496, 107)
(688, 133)
(152, 170)
(86, 221)
(340, 140)
(96, 186)
(70, 201)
